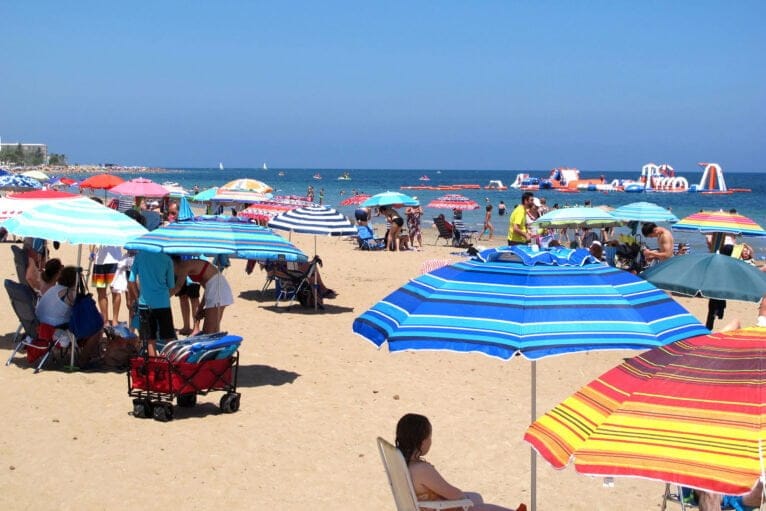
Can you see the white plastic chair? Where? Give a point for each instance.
(401, 483)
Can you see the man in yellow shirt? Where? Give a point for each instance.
(518, 234)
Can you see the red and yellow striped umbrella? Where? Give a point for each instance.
(692, 412)
(719, 221)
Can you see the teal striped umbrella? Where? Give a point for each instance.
(512, 300)
(77, 221)
(211, 235)
(644, 212)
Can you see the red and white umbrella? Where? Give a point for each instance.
(355, 200)
(17, 203)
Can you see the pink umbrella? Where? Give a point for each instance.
(140, 187)
(453, 201)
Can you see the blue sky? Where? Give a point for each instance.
(440, 84)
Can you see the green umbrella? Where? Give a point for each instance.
(714, 276)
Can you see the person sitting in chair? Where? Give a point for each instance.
(55, 307)
(413, 439)
(295, 271)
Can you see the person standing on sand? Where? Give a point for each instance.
(154, 274)
(664, 241)
(517, 231)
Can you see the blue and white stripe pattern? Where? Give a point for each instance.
(18, 182)
(210, 236)
(501, 307)
(75, 221)
(644, 212)
(319, 220)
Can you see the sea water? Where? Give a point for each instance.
(372, 181)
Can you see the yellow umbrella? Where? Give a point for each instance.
(246, 185)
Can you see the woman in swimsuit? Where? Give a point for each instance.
(413, 438)
(217, 290)
(397, 223)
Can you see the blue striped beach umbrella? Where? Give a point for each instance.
(318, 220)
(17, 182)
(644, 212)
(512, 301)
(210, 236)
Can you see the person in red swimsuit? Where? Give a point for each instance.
(218, 294)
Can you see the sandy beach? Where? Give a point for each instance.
(314, 398)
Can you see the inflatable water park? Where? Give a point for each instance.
(654, 178)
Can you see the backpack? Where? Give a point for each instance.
(86, 319)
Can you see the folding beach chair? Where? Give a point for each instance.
(367, 240)
(446, 231)
(462, 235)
(21, 262)
(401, 483)
(295, 285)
(38, 339)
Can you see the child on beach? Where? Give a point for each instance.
(413, 439)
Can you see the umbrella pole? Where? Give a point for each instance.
(533, 454)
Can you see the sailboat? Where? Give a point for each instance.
(265, 167)
(220, 166)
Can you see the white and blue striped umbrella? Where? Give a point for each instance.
(644, 212)
(503, 306)
(318, 220)
(211, 235)
(17, 182)
(77, 221)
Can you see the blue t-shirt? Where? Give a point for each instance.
(155, 279)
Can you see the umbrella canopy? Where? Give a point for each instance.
(577, 217)
(709, 276)
(76, 221)
(396, 199)
(513, 300)
(453, 201)
(205, 195)
(36, 174)
(19, 202)
(139, 187)
(17, 182)
(689, 413)
(101, 182)
(719, 221)
(247, 185)
(320, 220)
(210, 236)
(355, 199)
(184, 210)
(246, 196)
(504, 306)
(644, 212)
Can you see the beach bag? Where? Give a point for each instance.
(86, 319)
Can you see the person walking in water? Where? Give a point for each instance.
(488, 223)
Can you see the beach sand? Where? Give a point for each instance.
(314, 398)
